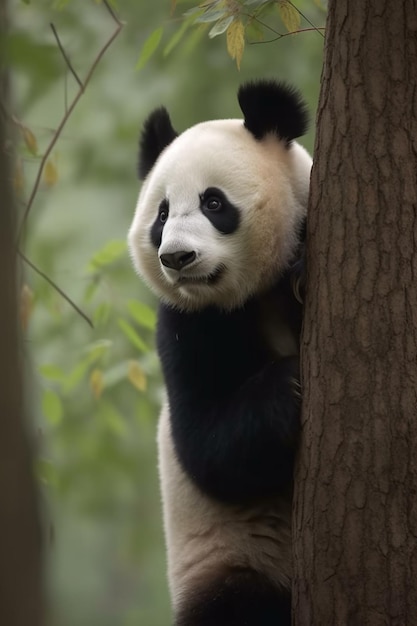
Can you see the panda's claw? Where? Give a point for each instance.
(296, 388)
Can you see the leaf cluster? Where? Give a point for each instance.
(241, 20)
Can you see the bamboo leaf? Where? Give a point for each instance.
(211, 15)
(101, 314)
(30, 140)
(97, 349)
(254, 31)
(112, 251)
(137, 376)
(75, 376)
(221, 26)
(176, 37)
(132, 335)
(142, 314)
(96, 382)
(50, 173)
(289, 15)
(52, 372)
(235, 38)
(149, 47)
(52, 406)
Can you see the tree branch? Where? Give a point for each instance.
(66, 57)
(56, 287)
(67, 115)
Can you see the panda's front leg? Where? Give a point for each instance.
(241, 448)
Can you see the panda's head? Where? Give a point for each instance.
(220, 211)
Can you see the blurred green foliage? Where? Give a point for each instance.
(94, 394)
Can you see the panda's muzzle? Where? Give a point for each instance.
(177, 260)
(207, 279)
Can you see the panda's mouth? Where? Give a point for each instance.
(207, 279)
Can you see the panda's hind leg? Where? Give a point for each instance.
(242, 598)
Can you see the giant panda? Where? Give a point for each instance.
(218, 234)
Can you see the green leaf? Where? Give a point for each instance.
(176, 37)
(52, 372)
(52, 406)
(112, 251)
(30, 140)
(96, 383)
(221, 26)
(289, 15)
(211, 16)
(132, 335)
(101, 314)
(149, 47)
(76, 374)
(91, 289)
(254, 31)
(97, 349)
(142, 314)
(193, 12)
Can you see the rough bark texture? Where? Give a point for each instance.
(20, 565)
(355, 519)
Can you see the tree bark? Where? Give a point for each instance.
(20, 560)
(355, 509)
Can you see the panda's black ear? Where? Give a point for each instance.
(156, 135)
(270, 107)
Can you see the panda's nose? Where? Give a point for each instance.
(177, 260)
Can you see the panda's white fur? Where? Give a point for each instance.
(228, 530)
(204, 537)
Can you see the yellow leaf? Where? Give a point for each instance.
(235, 38)
(96, 382)
(137, 376)
(50, 173)
(30, 140)
(26, 305)
(18, 178)
(289, 15)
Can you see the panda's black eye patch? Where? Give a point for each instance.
(215, 205)
(158, 225)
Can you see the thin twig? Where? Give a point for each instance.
(66, 57)
(294, 32)
(306, 19)
(65, 118)
(113, 14)
(56, 287)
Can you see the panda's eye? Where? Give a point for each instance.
(213, 203)
(163, 216)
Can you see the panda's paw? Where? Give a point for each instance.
(296, 389)
(297, 286)
(298, 279)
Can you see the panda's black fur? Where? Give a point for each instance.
(230, 426)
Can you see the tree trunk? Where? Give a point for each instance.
(355, 509)
(20, 569)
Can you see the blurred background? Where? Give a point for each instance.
(93, 394)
